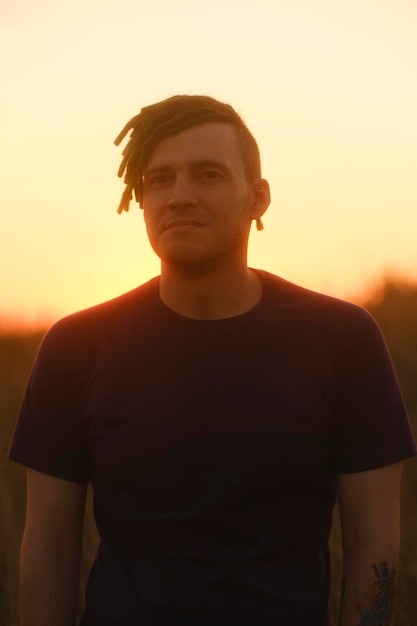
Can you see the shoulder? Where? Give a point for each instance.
(314, 309)
(80, 331)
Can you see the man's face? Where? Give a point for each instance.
(197, 203)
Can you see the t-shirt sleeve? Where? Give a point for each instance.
(50, 435)
(371, 428)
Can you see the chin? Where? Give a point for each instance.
(189, 261)
(189, 264)
(192, 258)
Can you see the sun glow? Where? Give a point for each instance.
(328, 89)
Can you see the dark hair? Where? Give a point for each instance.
(169, 117)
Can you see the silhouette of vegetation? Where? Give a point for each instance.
(394, 306)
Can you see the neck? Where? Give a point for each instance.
(210, 295)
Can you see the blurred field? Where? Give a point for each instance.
(395, 308)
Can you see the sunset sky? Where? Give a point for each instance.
(328, 87)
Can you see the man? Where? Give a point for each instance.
(216, 410)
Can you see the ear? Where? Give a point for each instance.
(261, 200)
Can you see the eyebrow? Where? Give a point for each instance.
(194, 164)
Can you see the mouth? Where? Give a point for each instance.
(183, 224)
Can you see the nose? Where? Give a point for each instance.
(182, 194)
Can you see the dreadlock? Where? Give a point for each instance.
(169, 117)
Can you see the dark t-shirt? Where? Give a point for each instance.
(212, 448)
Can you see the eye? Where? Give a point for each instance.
(209, 175)
(161, 179)
(157, 180)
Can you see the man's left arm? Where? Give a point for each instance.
(370, 517)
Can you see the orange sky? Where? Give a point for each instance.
(328, 88)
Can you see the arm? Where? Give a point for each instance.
(50, 552)
(370, 518)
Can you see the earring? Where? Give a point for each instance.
(259, 224)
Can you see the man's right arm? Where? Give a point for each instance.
(51, 551)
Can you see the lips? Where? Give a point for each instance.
(182, 223)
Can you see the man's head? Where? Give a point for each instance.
(169, 117)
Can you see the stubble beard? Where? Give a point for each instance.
(193, 260)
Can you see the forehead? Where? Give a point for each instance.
(210, 141)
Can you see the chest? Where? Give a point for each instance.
(265, 397)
